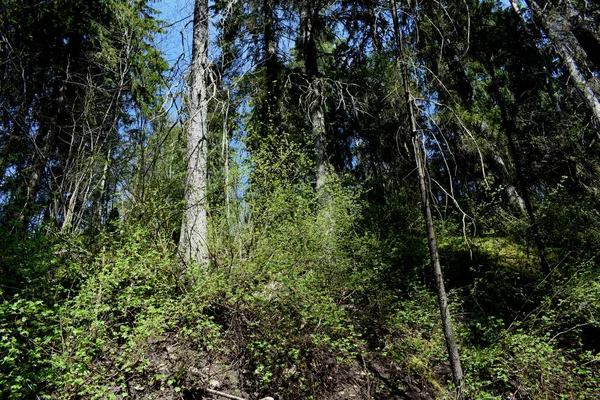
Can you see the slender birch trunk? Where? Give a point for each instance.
(451, 346)
(193, 246)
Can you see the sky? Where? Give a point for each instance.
(178, 15)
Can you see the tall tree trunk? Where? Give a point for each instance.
(579, 24)
(269, 115)
(451, 346)
(567, 48)
(270, 54)
(315, 97)
(43, 145)
(317, 118)
(193, 246)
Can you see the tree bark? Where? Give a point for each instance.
(315, 99)
(451, 346)
(270, 54)
(565, 47)
(268, 111)
(43, 145)
(193, 246)
(317, 118)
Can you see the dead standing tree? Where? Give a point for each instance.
(416, 137)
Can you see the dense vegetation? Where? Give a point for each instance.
(268, 221)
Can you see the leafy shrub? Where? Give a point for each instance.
(28, 334)
(293, 319)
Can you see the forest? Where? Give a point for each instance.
(300, 199)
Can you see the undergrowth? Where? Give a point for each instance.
(301, 303)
